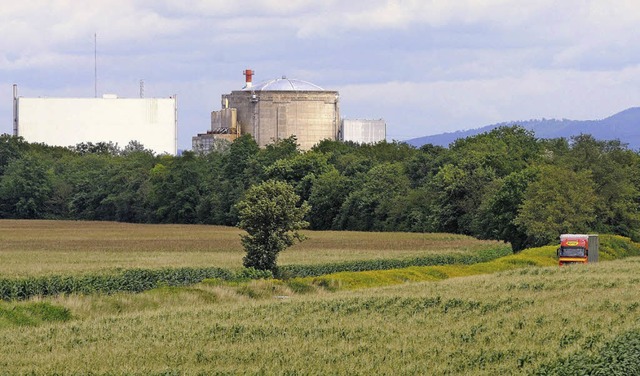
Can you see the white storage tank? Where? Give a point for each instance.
(363, 131)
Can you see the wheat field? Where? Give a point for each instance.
(35, 247)
(508, 316)
(510, 322)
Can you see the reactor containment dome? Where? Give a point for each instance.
(277, 109)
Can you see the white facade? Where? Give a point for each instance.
(363, 131)
(70, 121)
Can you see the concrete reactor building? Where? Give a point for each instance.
(274, 110)
(70, 121)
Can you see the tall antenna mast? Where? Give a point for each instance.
(141, 88)
(95, 64)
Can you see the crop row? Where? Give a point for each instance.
(619, 357)
(132, 280)
(292, 271)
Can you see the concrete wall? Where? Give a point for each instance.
(273, 115)
(363, 131)
(69, 121)
(225, 118)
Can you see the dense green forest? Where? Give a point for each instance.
(504, 184)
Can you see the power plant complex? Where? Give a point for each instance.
(282, 107)
(269, 111)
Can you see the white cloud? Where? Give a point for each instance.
(440, 64)
(47, 25)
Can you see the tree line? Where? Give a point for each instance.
(505, 184)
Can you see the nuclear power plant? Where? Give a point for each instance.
(269, 111)
(274, 110)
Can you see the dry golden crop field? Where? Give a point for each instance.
(40, 247)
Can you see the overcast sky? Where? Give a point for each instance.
(425, 66)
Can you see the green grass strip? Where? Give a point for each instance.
(297, 271)
(31, 314)
(611, 247)
(544, 256)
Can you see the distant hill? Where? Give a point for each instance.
(623, 126)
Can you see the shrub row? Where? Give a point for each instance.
(294, 271)
(132, 280)
(619, 357)
(615, 247)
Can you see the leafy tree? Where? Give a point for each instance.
(135, 147)
(412, 212)
(211, 208)
(271, 216)
(129, 184)
(499, 209)
(24, 189)
(300, 171)
(237, 175)
(90, 175)
(503, 150)
(328, 193)
(425, 164)
(384, 151)
(459, 191)
(105, 148)
(473, 165)
(615, 170)
(241, 151)
(176, 189)
(11, 147)
(560, 201)
(367, 208)
(280, 149)
(333, 149)
(353, 165)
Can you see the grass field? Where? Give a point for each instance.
(510, 322)
(512, 315)
(29, 248)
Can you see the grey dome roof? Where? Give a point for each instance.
(284, 84)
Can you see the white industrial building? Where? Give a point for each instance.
(363, 131)
(70, 121)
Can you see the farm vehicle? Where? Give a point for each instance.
(578, 249)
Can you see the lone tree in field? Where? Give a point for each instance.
(271, 216)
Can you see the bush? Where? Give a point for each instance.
(253, 273)
(615, 246)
